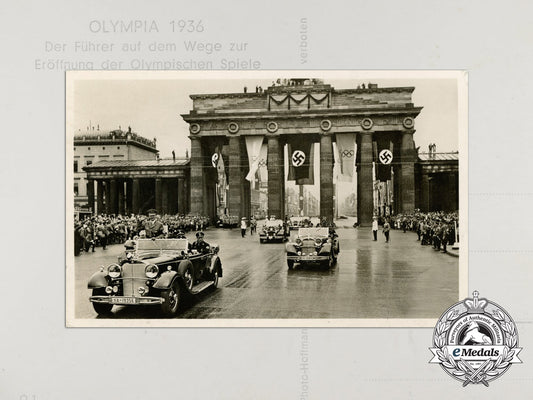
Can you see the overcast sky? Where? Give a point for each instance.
(152, 107)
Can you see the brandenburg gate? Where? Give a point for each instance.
(306, 110)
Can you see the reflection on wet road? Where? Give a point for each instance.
(400, 279)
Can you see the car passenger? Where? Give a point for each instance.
(200, 245)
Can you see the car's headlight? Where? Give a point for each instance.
(318, 242)
(114, 271)
(151, 271)
(299, 242)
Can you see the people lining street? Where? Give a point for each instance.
(438, 229)
(103, 230)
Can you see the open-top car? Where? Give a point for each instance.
(156, 271)
(273, 230)
(313, 245)
(299, 222)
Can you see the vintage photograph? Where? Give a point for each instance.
(265, 198)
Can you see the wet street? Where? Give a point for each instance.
(400, 279)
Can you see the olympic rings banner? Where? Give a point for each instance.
(346, 155)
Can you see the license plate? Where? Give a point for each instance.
(123, 300)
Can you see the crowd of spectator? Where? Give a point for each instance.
(102, 230)
(438, 229)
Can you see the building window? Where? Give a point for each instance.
(76, 188)
(89, 162)
(75, 165)
(118, 147)
(88, 148)
(74, 149)
(103, 148)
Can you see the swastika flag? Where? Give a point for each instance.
(384, 161)
(301, 157)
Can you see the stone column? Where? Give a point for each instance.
(246, 196)
(107, 196)
(275, 178)
(365, 185)
(182, 201)
(235, 177)
(135, 196)
(187, 191)
(197, 178)
(326, 177)
(100, 197)
(112, 208)
(120, 185)
(159, 195)
(407, 156)
(129, 196)
(90, 194)
(424, 193)
(164, 196)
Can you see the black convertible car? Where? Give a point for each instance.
(155, 271)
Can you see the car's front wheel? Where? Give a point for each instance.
(171, 299)
(101, 308)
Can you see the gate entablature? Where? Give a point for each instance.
(318, 111)
(303, 108)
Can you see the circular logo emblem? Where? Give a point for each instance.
(408, 122)
(475, 341)
(214, 159)
(325, 125)
(385, 156)
(233, 127)
(194, 128)
(367, 123)
(298, 158)
(272, 127)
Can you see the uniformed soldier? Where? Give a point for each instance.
(200, 245)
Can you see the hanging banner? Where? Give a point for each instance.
(301, 162)
(221, 177)
(346, 155)
(263, 170)
(253, 147)
(384, 160)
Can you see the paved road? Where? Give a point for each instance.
(400, 279)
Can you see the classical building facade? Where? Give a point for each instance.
(94, 146)
(437, 182)
(306, 110)
(125, 187)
